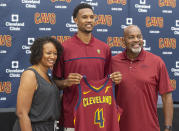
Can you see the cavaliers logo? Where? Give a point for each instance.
(5, 40)
(115, 42)
(123, 2)
(154, 21)
(98, 51)
(61, 39)
(169, 3)
(5, 87)
(167, 43)
(45, 18)
(103, 20)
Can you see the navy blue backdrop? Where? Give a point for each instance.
(21, 21)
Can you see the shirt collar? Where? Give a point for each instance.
(81, 42)
(141, 56)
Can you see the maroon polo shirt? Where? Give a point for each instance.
(137, 94)
(91, 59)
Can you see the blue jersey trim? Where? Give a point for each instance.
(85, 79)
(79, 99)
(85, 58)
(113, 87)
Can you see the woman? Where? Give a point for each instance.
(38, 99)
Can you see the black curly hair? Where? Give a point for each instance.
(37, 49)
(81, 6)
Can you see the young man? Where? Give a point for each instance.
(144, 75)
(83, 55)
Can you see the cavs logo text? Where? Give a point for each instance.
(123, 2)
(169, 3)
(5, 87)
(103, 20)
(173, 83)
(115, 42)
(167, 43)
(45, 18)
(68, 1)
(5, 40)
(61, 39)
(154, 21)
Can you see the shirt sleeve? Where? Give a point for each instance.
(107, 68)
(164, 80)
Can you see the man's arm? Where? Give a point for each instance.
(72, 79)
(167, 109)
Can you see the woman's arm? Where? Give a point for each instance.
(28, 84)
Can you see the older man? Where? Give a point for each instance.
(144, 76)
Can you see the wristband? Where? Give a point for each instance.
(168, 127)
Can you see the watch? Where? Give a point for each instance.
(168, 127)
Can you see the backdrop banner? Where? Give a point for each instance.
(22, 21)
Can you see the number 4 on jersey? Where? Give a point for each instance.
(98, 118)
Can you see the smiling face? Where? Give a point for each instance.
(133, 40)
(85, 20)
(49, 55)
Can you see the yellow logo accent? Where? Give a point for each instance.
(86, 92)
(97, 88)
(119, 117)
(107, 89)
(98, 51)
(74, 120)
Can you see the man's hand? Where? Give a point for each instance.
(116, 77)
(72, 79)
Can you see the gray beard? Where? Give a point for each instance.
(138, 50)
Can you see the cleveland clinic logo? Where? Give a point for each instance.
(14, 71)
(175, 29)
(14, 25)
(3, 4)
(31, 3)
(129, 21)
(30, 41)
(72, 25)
(145, 46)
(14, 17)
(143, 2)
(15, 64)
(177, 64)
(91, 2)
(142, 7)
(177, 23)
(176, 70)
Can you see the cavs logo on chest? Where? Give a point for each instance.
(98, 51)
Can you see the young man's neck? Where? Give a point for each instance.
(84, 37)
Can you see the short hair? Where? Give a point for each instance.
(128, 27)
(80, 6)
(37, 49)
